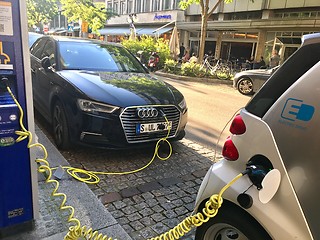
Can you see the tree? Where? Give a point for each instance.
(95, 14)
(206, 12)
(41, 11)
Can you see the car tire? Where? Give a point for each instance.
(245, 86)
(231, 223)
(60, 127)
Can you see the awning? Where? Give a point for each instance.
(150, 31)
(115, 31)
(153, 31)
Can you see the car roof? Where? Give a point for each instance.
(79, 40)
(310, 38)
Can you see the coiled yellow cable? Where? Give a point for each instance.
(209, 211)
(76, 231)
(90, 177)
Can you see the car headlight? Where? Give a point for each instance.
(94, 107)
(183, 104)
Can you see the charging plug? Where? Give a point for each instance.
(4, 83)
(256, 174)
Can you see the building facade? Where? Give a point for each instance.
(150, 17)
(237, 30)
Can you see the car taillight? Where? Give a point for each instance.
(237, 126)
(230, 151)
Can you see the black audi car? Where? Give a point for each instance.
(97, 93)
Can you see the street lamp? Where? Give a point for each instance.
(59, 14)
(132, 18)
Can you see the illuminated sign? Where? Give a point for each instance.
(159, 17)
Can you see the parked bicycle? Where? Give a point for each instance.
(219, 69)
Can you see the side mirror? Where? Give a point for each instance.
(45, 63)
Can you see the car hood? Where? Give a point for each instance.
(256, 72)
(122, 89)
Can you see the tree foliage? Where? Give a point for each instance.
(206, 12)
(41, 11)
(85, 10)
(147, 45)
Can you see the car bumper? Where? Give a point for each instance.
(115, 132)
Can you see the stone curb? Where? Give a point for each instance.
(193, 79)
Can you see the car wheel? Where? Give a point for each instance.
(231, 223)
(60, 127)
(245, 86)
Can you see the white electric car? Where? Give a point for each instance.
(276, 137)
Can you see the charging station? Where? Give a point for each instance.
(18, 176)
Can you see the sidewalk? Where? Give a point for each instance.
(52, 223)
(193, 79)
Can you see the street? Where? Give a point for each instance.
(152, 201)
(211, 107)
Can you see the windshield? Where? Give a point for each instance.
(97, 57)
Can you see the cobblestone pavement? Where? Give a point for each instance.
(154, 200)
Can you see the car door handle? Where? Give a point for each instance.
(33, 71)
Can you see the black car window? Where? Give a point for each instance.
(299, 63)
(48, 51)
(97, 57)
(37, 47)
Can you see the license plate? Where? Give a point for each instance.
(153, 127)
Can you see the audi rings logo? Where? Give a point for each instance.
(148, 112)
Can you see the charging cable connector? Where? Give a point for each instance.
(256, 174)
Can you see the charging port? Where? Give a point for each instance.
(257, 168)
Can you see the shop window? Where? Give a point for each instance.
(214, 17)
(296, 34)
(146, 6)
(313, 14)
(155, 5)
(109, 5)
(167, 5)
(305, 15)
(130, 7)
(212, 34)
(194, 34)
(116, 7)
(123, 8)
(294, 15)
(286, 34)
(176, 4)
(195, 18)
(243, 15)
(278, 15)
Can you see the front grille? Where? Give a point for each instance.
(130, 119)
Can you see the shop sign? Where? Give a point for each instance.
(159, 17)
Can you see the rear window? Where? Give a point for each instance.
(299, 63)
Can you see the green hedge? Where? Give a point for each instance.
(148, 45)
(185, 69)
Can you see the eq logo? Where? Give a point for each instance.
(295, 109)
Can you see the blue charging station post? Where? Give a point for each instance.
(18, 174)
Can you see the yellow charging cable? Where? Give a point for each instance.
(209, 211)
(76, 231)
(90, 177)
